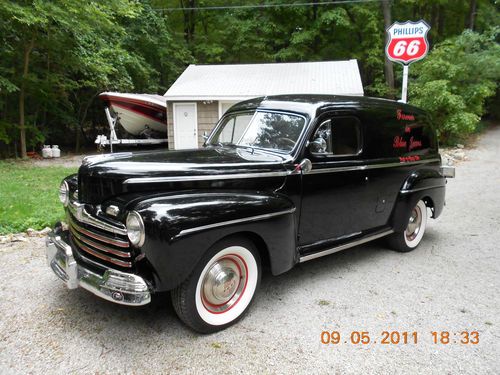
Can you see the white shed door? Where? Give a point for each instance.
(185, 126)
(224, 106)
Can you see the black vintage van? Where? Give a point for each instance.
(280, 180)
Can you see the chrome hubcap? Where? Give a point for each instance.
(414, 224)
(224, 283)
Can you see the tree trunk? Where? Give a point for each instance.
(77, 140)
(317, 40)
(189, 20)
(440, 21)
(471, 16)
(434, 20)
(79, 127)
(354, 22)
(315, 10)
(22, 93)
(388, 69)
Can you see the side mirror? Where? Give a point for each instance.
(318, 146)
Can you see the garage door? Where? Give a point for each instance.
(185, 126)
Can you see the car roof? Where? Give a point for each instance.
(312, 104)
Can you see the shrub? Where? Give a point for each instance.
(454, 82)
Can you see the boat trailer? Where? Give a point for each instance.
(102, 140)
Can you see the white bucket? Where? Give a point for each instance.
(56, 152)
(46, 151)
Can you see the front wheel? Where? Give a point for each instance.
(221, 288)
(408, 239)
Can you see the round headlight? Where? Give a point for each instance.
(135, 229)
(64, 193)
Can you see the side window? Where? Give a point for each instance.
(338, 136)
(346, 136)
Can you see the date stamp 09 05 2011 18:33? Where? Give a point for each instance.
(399, 337)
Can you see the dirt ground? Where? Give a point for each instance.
(449, 284)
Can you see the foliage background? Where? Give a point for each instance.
(57, 55)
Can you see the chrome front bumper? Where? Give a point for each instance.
(115, 286)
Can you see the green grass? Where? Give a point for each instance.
(29, 196)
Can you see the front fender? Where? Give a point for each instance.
(181, 227)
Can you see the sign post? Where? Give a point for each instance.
(404, 89)
(407, 43)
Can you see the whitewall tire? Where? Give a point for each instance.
(408, 239)
(221, 288)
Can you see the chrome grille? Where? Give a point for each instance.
(100, 237)
(110, 249)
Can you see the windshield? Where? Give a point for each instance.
(269, 130)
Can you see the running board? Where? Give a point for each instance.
(322, 253)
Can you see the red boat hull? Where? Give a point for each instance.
(138, 112)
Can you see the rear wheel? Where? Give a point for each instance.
(408, 239)
(221, 288)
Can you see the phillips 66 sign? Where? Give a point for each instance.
(407, 42)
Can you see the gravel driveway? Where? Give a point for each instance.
(450, 283)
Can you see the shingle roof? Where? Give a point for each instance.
(245, 81)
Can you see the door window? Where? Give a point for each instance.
(339, 136)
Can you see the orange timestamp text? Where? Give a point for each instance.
(398, 337)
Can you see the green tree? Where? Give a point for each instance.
(58, 55)
(36, 27)
(455, 80)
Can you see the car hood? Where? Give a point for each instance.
(106, 176)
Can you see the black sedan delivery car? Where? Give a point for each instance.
(280, 180)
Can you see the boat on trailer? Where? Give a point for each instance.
(143, 116)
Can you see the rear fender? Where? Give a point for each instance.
(422, 179)
(427, 184)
